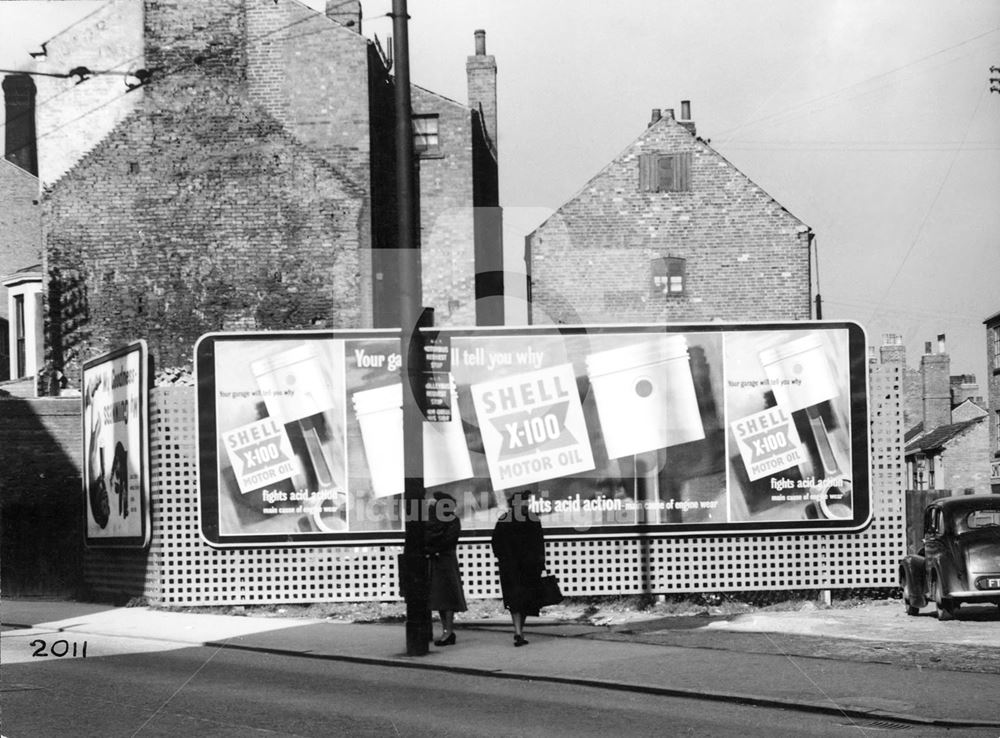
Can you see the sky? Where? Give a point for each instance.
(869, 120)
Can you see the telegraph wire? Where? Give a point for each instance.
(801, 106)
(197, 62)
(930, 208)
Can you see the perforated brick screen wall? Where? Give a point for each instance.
(181, 569)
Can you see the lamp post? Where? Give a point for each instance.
(413, 563)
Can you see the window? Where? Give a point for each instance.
(996, 349)
(668, 275)
(665, 172)
(4, 350)
(21, 365)
(988, 518)
(426, 139)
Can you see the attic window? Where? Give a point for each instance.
(426, 141)
(668, 275)
(665, 172)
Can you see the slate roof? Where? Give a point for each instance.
(938, 438)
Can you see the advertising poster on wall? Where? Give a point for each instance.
(708, 429)
(115, 448)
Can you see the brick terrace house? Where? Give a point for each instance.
(669, 231)
(947, 448)
(20, 240)
(229, 165)
(20, 275)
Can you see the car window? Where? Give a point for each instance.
(983, 519)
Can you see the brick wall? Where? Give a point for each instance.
(20, 243)
(447, 235)
(201, 212)
(72, 118)
(746, 258)
(992, 389)
(41, 512)
(964, 461)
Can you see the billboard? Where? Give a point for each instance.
(116, 448)
(707, 429)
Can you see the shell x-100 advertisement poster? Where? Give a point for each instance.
(614, 430)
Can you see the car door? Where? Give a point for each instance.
(933, 543)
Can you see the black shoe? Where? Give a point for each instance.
(448, 640)
(520, 641)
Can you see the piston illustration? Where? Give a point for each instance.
(645, 396)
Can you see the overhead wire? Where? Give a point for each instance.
(928, 210)
(822, 98)
(195, 63)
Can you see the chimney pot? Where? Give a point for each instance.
(668, 113)
(685, 110)
(941, 344)
(480, 42)
(654, 116)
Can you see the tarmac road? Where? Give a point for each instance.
(870, 663)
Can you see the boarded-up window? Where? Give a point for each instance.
(665, 172)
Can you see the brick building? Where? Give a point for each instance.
(229, 165)
(669, 231)
(947, 448)
(993, 397)
(20, 278)
(20, 235)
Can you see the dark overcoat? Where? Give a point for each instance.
(440, 545)
(519, 546)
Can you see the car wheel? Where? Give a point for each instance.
(907, 596)
(945, 605)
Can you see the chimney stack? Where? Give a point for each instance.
(935, 371)
(685, 119)
(20, 145)
(481, 72)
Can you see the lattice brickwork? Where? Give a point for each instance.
(181, 569)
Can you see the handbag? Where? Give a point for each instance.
(548, 590)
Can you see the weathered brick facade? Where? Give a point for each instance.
(20, 238)
(746, 257)
(248, 185)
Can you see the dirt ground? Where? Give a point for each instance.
(603, 610)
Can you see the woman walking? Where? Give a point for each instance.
(519, 546)
(440, 545)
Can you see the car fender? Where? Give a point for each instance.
(913, 568)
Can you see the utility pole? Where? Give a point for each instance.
(413, 570)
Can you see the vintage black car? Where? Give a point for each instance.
(959, 557)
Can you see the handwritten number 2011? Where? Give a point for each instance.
(59, 648)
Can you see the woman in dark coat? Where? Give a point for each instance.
(519, 547)
(440, 544)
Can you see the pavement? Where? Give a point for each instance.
(871, 664)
